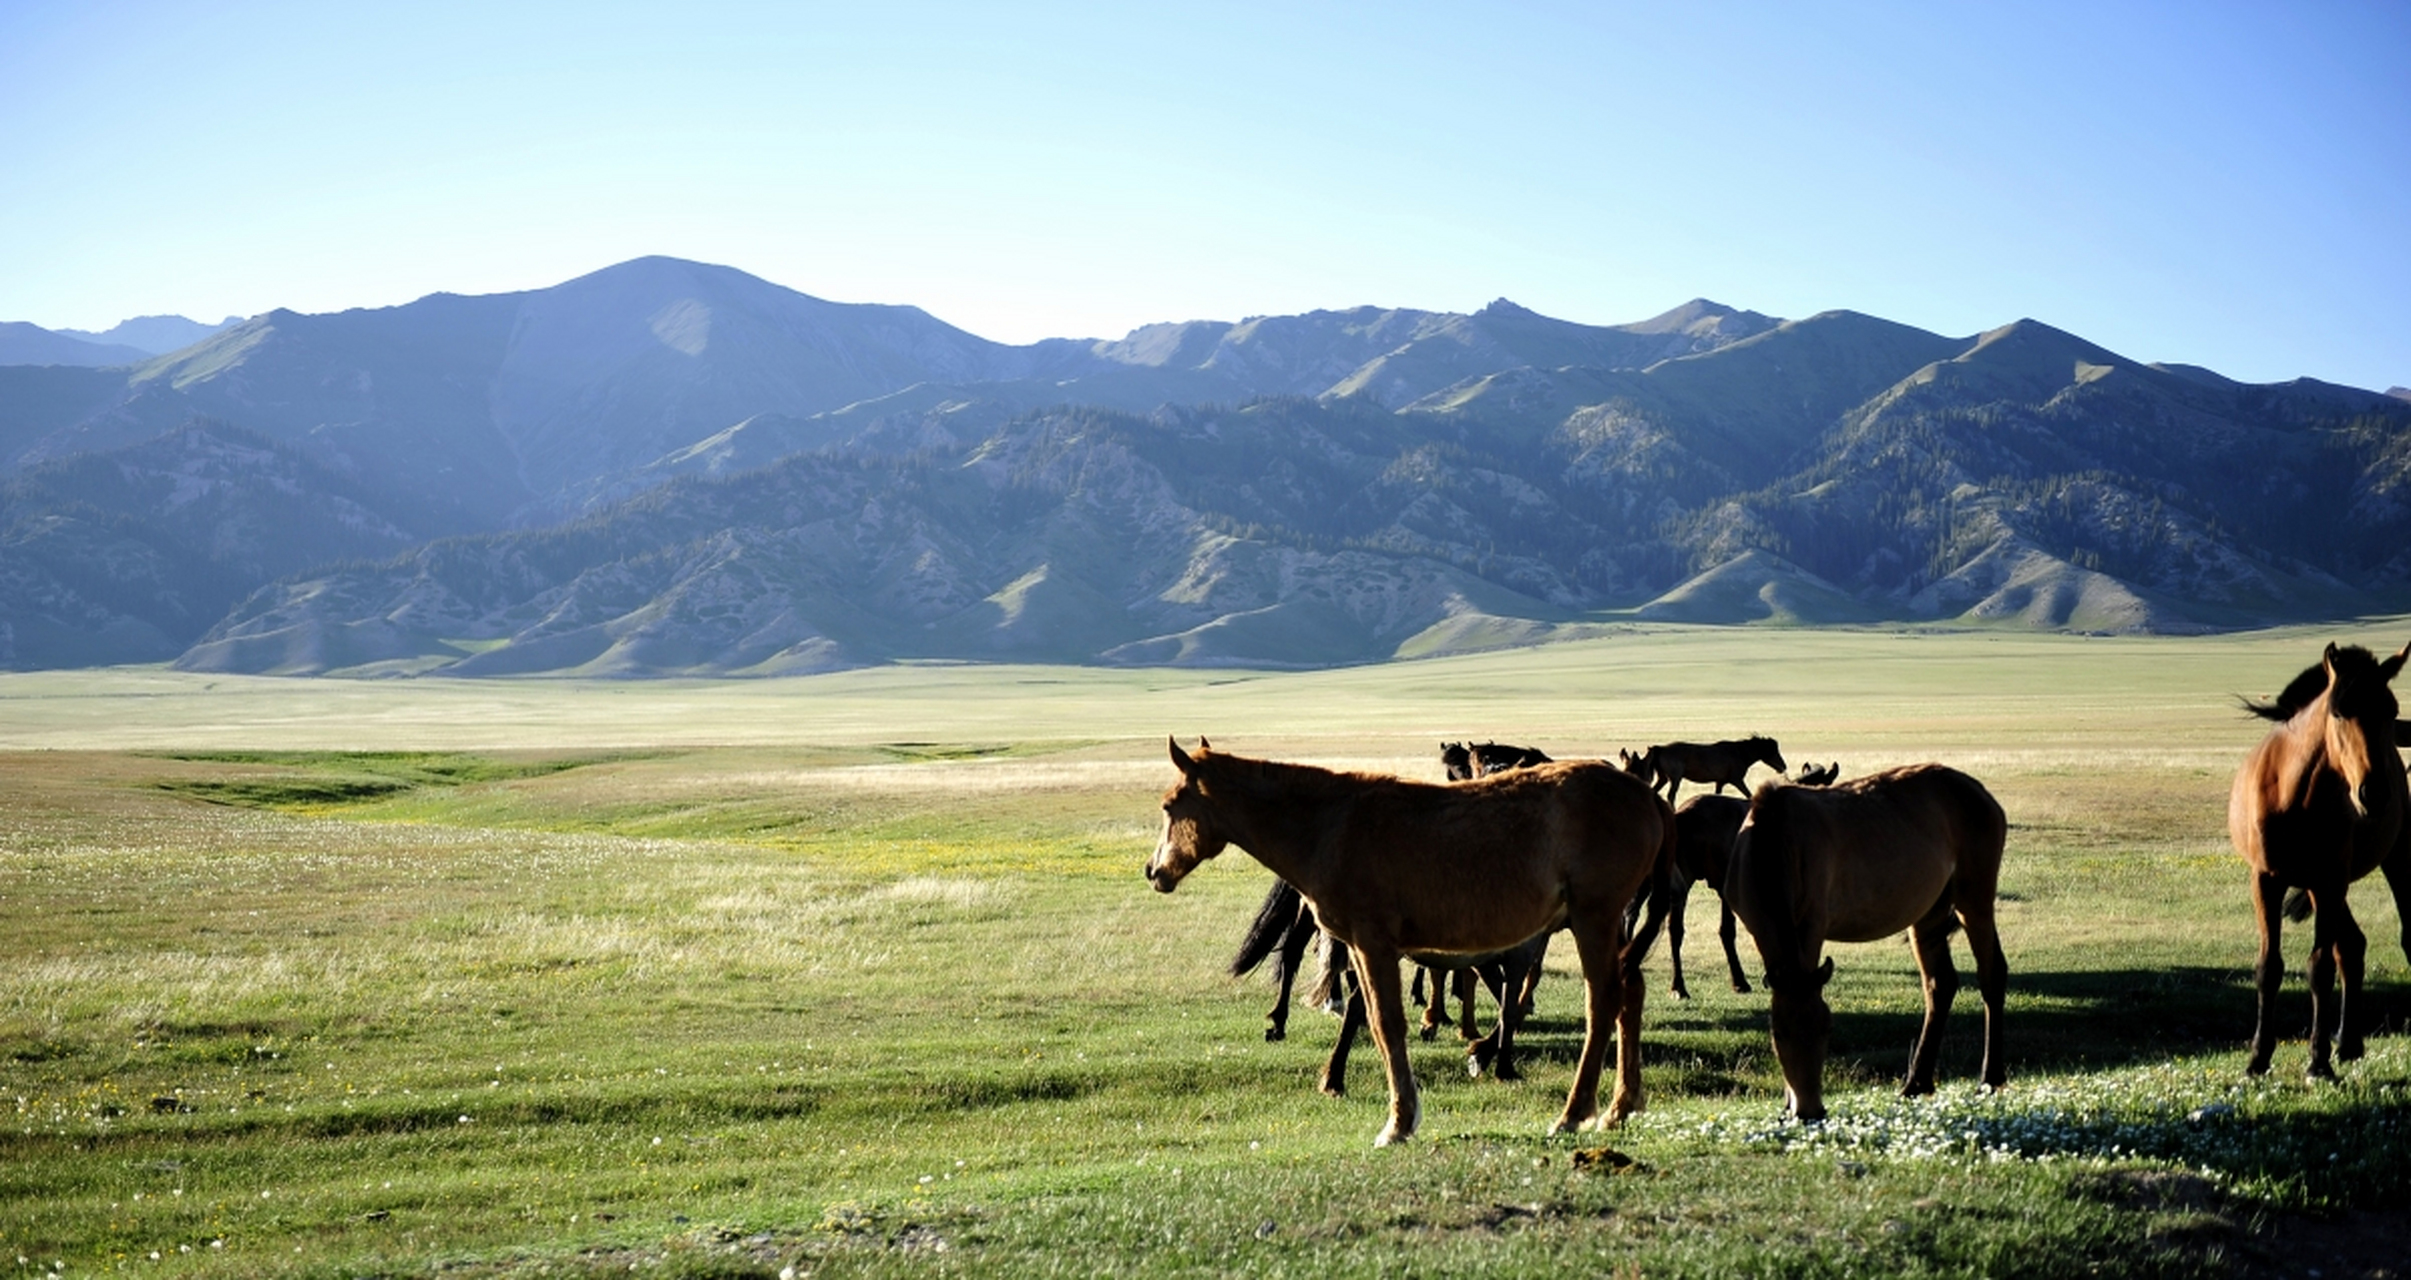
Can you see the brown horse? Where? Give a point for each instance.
(2318, 804)
(1818, 775)
(1715, 764)
(1395, 868)
(1910, 848)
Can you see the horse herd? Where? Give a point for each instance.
(1471, 878)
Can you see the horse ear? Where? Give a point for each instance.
(1180, 758)
(2393, 666)
(1202, 744)
(1825, 971)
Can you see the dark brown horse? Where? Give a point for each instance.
(1704, 828)
(1396, 869)
(2318, 804)
(1818, 775)
(1714, 764)
(1913, 848)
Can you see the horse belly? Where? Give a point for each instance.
(1882, 898)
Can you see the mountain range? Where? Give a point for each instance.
(672, 468)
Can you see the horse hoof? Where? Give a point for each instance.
(1506, 1071)
(1680, 993)
(1916, 1089)
(1740, 987)
(1274, 1033)
(2257, 1067)
(1429, 1033)
(1331, 1090)
(2319, 1071)
(2350, 1052)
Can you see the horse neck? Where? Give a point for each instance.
(1276, 822)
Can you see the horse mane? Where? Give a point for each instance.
(2305, 688)
(1263, 778)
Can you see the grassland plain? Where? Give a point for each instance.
(856, 974)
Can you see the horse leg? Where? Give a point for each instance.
(1724, 934)
(1435, 1009)
(2352, 952)
(1386, 1015)
(1674, 939)
(1496, 1051)
(1335, 1070)
(1466, 1029)
(1992, 982)
(2268, 973)
(1531, 985)
(1291, 955)
(2397, 867)
(1931, 938)
(2336, 943)
(1603, 983)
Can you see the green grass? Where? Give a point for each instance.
(869, 983)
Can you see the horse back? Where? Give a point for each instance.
(1704, 828)
(1482, 865)
(1873, 855)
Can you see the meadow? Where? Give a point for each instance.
(857, 974)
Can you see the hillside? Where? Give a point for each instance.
(669, 467)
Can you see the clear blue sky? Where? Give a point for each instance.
(2224, 184)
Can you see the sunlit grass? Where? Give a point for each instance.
(900, 1002)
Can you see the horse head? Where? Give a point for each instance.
(1456, 760)
(1643, 765)
(1190, 835)
(2361, 708)
(1803, 1025)
(1764, 748)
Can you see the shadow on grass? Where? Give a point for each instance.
(2057, 1021)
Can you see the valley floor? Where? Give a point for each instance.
(856, 974)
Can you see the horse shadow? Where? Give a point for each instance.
(2059, 1021)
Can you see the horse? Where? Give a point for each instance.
(1395, 868)
(1284, 927)
(1704, 827)
(1496, 757)
(2318, 804)
(1910, 848)
(1720, 764)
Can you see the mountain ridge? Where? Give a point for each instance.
(1333, 486)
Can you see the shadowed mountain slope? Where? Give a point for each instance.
(670, 467)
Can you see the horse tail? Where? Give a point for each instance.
(1656, 895)
(1328, 974)
(2297, 905)
(1272, 924)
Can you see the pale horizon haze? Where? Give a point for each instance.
(2218, 184)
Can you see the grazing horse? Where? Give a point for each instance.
(1716, 764)
(2318, 804)
(1911, 848)
(1395, 868)
(1818, 775)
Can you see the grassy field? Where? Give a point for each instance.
(857, 974)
